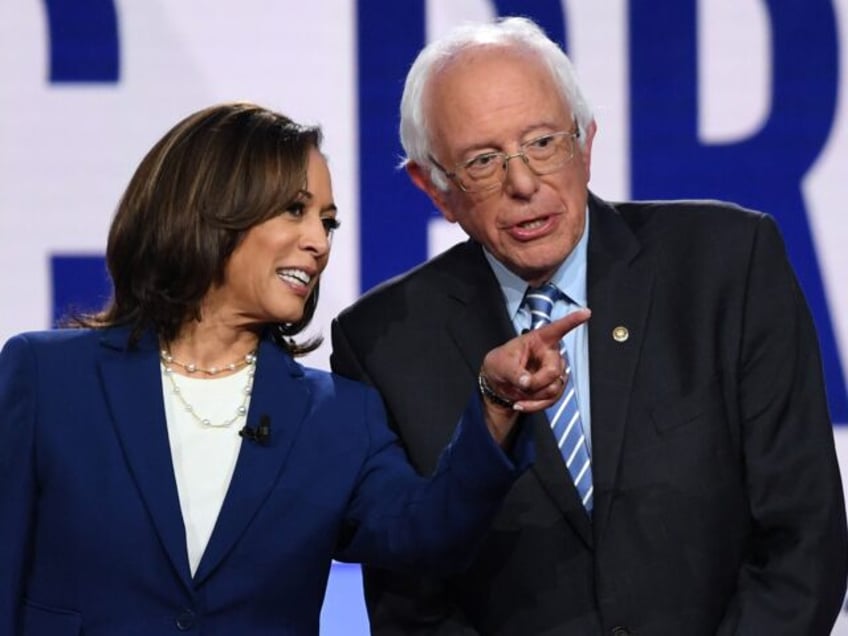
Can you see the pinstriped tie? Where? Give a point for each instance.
(564, 415)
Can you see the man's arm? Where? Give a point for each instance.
(794, 580)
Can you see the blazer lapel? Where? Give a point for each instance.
(281, 393)
(480, 324)
(620, 288)
(133, 390)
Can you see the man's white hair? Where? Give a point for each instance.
(520, 33)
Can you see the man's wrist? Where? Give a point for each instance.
(490, 394)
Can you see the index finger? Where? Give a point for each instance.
(551, 334)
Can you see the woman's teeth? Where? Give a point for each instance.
(295, 276)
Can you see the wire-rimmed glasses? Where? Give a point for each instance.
(543, 154)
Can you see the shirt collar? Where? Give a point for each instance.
(570, 276)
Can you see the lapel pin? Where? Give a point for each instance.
(620, 334)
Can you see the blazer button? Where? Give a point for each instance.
(186, 620)
(620, 631)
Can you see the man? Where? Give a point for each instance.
(712, 502)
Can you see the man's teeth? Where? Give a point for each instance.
(532, 225)
(296, 276)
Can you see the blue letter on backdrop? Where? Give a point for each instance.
(83, 49)
(81, 285)
(763, 172)
(83, 40)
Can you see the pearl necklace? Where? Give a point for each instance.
(190, 367)
(241, 411)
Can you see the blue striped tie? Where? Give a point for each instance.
(564, 415)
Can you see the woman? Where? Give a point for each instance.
(128, 502)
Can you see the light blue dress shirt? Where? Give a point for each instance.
(570, 278)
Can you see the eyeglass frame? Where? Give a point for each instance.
(574, 135)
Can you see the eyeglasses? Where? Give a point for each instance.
(486, 171)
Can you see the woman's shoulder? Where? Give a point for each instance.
(50, 349)
(55, 338)
(324, 385)
(342, 392)
(335, 383)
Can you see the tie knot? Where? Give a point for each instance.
(540, 303)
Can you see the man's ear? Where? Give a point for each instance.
(421, 177)
(586, 149)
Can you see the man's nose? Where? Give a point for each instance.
(519, 180)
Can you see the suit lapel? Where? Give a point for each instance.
(480, 322)
(280, 392)
(133, 390)
(620, 288)
(552, 473)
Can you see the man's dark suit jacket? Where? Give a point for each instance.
(718, 501)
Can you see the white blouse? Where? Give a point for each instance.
(204, 456)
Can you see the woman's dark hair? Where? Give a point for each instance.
(212, 177)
